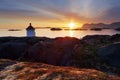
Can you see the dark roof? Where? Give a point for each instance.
(30, 27)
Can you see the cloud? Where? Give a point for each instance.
(114, 12)
(61, 10)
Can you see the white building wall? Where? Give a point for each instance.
(30, 33)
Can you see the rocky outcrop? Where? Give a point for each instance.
(12, 50)
(97, 39)
(15, 47)
(65, 51)
(57, 51)
(111, 53)
(40, 71)
(6, 62)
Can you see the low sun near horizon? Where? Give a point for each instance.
(71, 25)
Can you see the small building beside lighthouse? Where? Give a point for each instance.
(30, 31)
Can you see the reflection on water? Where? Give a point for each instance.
(62, 33)
(71, 33)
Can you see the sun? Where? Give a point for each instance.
(71, 25)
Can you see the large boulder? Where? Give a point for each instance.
(57, 51)
(111, 53)
(97, 39)
(12, 50)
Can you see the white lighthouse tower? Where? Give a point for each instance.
(30, 31)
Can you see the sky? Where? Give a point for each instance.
(57, 13)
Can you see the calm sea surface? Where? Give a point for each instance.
(62, 33)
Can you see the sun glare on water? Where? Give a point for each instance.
(71, 25)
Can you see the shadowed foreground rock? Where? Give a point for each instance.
(40, 71)
(111, 53)
(12, 50)
(67, 51)
(56, 52)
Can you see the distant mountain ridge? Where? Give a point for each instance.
(102, 25)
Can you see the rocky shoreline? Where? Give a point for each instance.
(99, 52)
(40, 71)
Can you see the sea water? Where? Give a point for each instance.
(61, 33)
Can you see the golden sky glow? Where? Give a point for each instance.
(72, 25)
(57, 13)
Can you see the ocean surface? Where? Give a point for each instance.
(52, 34)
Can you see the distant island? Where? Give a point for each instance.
(96, 29)
(14, 29)
(54, 29)
(102, 25)
(86, 26)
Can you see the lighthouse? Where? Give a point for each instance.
(30, 31)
